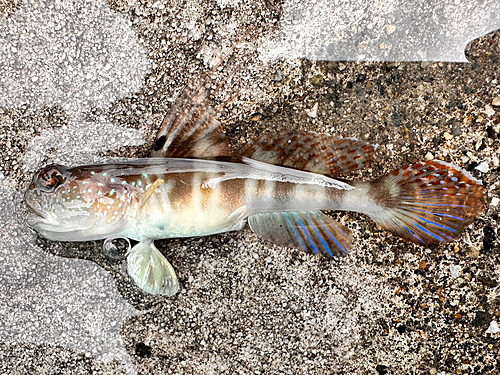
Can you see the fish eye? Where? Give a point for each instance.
(50, 178)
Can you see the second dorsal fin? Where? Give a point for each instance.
(310, 151)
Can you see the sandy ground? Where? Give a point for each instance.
(72, 95)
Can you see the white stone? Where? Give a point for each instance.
(489, 111)
(493, 328)
(483, 167)
(453, 271)
(313, 112)
(495, 201)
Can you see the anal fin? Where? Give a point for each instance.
(310, 231)
(151, 271)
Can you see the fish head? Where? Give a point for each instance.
(72, 205)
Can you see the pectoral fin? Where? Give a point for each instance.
(151, 271)
(147, 195)
(310, 231)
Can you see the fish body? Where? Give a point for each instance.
(194, 198)
(278, 183)
(155, 198)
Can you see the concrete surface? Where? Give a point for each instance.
(245, 306)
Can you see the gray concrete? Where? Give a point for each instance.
(85, 82)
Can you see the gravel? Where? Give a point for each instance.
(245, 306)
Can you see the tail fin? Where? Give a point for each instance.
(427, 202)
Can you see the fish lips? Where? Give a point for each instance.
(37, 215)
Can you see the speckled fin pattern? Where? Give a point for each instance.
(310, 151)
(428, 202)
(311, 231)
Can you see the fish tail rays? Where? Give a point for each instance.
(428, 202)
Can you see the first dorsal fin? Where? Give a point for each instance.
(190, 127)
(310, 151)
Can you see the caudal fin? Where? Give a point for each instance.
(428, 202)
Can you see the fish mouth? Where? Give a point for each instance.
(37, 215)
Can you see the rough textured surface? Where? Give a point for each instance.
(246, 306)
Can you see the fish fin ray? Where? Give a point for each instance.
(191, 128)
(151, 271)
(428, 202)
(311, 231)
(310, 151)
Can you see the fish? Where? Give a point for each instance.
(278, 183)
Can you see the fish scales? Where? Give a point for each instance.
(186, 204)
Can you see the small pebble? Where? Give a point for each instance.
(313, 112)
(496, 101)
(455, 128)
(429, 156)
(278, 76)
(493, 328)
(318, 79)
(447, 136)
(495, 201)
(482, 318)
(489, 111)
(422, 265)
(453, 271)
(483, 167)
(473, 252)
(389, 29)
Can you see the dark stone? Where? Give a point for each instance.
(471, 166)
(381, 369)
(142, 350)
(396, 119)
(361, 78)
(401, 329)
(455, 128)
(482, 318)
(491, 132)
(487, 281)
(489, 238)
(482, 146)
